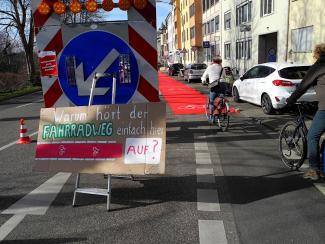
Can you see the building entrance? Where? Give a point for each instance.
(267, 48)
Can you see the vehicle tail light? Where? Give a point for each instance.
(277, 99)
(282, 83)
(191, 71)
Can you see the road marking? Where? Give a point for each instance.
(39, 200)
(15, 142)
(36, 202)
(199, 146)
(207, 200)
(202, 158)
(20, 106)
(320, 187)
(212, 232)
(11, 224)
(205, 175)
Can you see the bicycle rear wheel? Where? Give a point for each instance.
(222, 121)
(292, 145)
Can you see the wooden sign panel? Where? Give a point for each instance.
(111, 139)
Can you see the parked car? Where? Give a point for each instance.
(173, 69)
(270, 84)
(194, 72)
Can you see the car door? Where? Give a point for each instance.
(259, 85)
(247, 83)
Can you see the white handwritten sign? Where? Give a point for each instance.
(142, 151)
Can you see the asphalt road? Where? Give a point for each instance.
(226, 187)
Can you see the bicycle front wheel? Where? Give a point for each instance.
(292, 145)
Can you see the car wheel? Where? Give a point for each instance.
(267, 104)
(236, 95)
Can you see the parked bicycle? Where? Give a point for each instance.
(293, 139)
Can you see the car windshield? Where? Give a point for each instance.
(298, 72)
(198, 66)
(180, 66)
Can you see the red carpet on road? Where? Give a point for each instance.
(181, 99)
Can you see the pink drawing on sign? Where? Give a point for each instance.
(154, 147)
(62, 150)
(95, 151)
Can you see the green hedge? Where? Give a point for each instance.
(20, 92)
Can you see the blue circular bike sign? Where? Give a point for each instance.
(101, 52)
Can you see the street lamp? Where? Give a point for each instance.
(244, 28)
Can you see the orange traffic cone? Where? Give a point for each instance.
(24, 138)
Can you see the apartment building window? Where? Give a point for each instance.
(203, 6)
(301, 39)
(192, 9)
(211, 3)
(266, 7)
(227, 50)
(213, 50)
(244, 13)
(186, 34)
(227, 18)
(244, 49)
(217, 23)
(207, 4)
(192, 32)
(176, 38)
(212, 25)
(208, 27)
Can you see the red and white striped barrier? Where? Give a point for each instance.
(141, 39)
(23, 138)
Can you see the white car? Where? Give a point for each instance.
(270, 84)
(194, 72)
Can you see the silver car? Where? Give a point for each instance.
(194, 72)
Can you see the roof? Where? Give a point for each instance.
(279, 65)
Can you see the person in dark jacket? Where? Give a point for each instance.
(314, 77)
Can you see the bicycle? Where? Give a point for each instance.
(220, 112)
(293, 140)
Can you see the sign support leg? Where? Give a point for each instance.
(108, 191)
(96, 191)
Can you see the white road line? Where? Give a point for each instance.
(207, 200)
(201, 146)
(202, 158)
(20, 106)
(205, 175)
(14, 142)
(320, 187)
(36, 202)
(11, 224)
(212, 232)
(39, 200)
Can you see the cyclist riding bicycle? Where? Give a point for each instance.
(314, 77)
(214, 72)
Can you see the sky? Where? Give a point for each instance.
(162, 10)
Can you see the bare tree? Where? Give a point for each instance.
(16, 19)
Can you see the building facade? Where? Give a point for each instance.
(248, 32)
(211, 20)
(170, 38)
(253, 32)
(306, 29)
